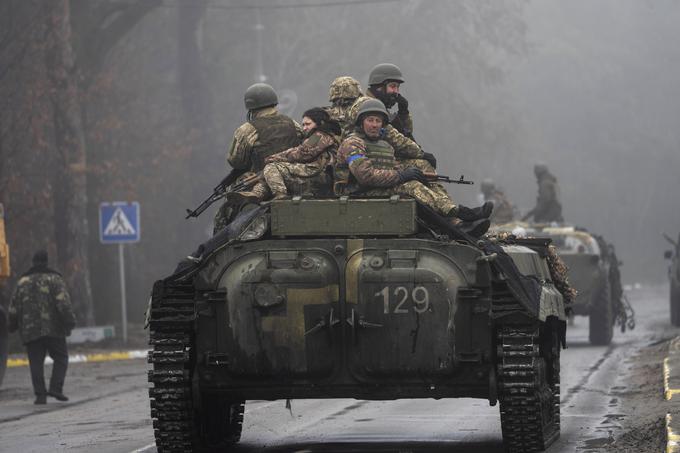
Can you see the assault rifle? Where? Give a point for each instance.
(433, 177)
(675, 244)
(223, 188)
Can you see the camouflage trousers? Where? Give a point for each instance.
(422, 193)
(425, 167)
(284, 178)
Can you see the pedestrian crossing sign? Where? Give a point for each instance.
(119, 222)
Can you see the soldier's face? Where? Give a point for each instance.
(308, 125)
(392, 88)
(372, 125)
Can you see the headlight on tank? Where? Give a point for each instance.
(255, 229)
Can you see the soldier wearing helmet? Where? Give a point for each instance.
(384, 83)
(503, 211)
(343, 92)
(265, 133)
(548, 207)
(366, 164)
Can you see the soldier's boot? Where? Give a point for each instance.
(476, 228)
(58, 395)
(280, 196)
(472, 214)
(40, 399)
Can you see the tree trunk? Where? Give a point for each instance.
(70, 188)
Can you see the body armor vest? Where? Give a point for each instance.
(381, 154)
(274, 133)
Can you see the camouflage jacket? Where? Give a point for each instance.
(352, 159)
(41, 306)
(246, 138)
(318, 148)
(404, 147)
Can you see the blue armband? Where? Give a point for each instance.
(354, 157)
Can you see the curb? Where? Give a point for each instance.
(671, 388)
(82, 358)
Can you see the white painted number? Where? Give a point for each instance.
(419, 295)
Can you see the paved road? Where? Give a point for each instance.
(109, 411)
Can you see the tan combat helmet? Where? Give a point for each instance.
(344, 88)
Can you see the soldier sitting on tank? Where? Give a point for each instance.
(300, 170)
(503, 211)
(265, 133)
(366, 165)
(384, 84)
(342, 94)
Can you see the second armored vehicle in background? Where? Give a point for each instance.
(593, 272)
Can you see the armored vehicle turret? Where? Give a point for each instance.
(374, 299)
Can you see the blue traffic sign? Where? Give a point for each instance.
(119, 222)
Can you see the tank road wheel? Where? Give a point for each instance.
(528, 389)
(219, 422)
(602, 317)
(675, 305)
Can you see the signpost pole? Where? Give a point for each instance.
(123, 302)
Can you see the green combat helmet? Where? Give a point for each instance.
(344, 88)
(384, 72)
(371, 106)
(260, 95)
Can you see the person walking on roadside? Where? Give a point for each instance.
(40, 309)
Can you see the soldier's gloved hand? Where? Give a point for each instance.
(412, 174)
(431, 159)
(402, 103)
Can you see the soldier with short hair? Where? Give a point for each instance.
(40, 309)
(265, 133)
(366, 164)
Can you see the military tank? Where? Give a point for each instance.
(674, 279)
(593, 272)
(374, 299)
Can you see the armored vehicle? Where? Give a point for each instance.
(593, 272)
(674, 277)
(374, 299)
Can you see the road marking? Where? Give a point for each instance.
(81, 358)
(672, 439)
(144, 449)
(668, 391)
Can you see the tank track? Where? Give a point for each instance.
(171, 337)
(529, 392)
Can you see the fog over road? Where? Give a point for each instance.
(109, 411)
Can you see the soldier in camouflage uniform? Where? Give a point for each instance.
(300, 170)
(548, 207)
(41, 311)
(342, 94)
(366, 164)
(503, 211)
(265, 133)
